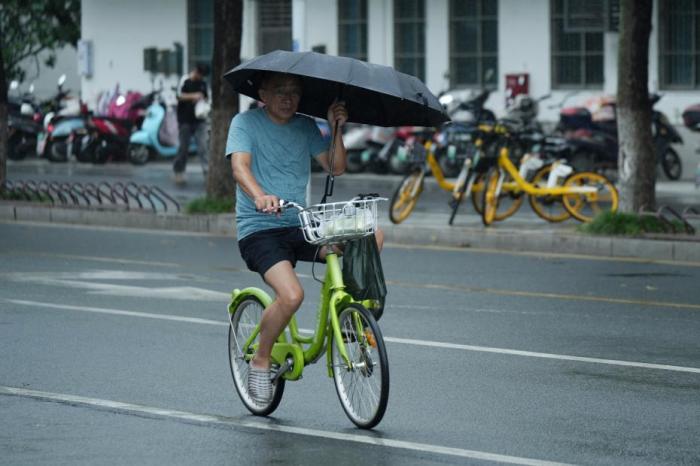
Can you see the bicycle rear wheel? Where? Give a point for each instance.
(363, 387)
(242, 323)
(550, 208)
(405, 197)
(585, 206)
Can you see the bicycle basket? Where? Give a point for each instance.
(337, 222)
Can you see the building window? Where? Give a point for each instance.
(352, 28)
(473, 42)
(274, 25)
(679, 44)
(200, 31)
(409, 37)
(577, 55)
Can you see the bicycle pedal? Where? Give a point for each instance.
(286, 367)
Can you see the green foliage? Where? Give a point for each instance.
(206, 205)
(30, 27)
(15, 195)
(626, 224)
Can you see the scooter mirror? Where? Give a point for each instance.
(61, 80)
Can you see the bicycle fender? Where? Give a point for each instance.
(239, 295)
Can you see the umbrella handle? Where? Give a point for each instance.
(330, 179)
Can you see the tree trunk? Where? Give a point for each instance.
(3, 116)
(228, 21)
(637, 158)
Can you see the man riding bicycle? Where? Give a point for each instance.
(270, 150)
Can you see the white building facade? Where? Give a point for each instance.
(567, 48)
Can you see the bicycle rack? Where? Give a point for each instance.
(666, 214)
(127, 196)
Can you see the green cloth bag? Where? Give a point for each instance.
(362, 269)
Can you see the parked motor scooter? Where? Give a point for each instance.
(24, 123)
(594, 144)
(466, 112)
(158, 134)
(66, 116)
(107, 136)
(364, 144)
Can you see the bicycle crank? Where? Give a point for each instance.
(284, 368)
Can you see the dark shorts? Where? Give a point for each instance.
(263, 249)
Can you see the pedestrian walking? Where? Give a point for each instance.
(192, 109)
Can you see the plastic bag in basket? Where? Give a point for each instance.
(348, 222)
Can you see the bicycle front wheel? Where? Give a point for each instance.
(362, 386)
(243, 322)
(585, 206)
(550, 208)
(405, 197)
(500, 200)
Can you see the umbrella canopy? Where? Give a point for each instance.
(373, 94)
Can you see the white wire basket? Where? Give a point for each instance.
(336, 222)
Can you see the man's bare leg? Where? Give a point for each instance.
(288, 298)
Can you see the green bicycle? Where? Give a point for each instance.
(345, 330)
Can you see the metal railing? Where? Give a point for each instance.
(128, 196)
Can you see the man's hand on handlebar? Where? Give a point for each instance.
(268, 203)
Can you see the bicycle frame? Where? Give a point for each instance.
(523, 185)
(333, 298)
(432, 164)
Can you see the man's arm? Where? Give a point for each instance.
(336, 113)
(240, 164)
(188, 96)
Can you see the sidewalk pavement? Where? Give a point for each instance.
(427, 225)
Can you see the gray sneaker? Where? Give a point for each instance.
(260, 385)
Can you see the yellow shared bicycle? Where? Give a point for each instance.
(583, 195)
(424, 162)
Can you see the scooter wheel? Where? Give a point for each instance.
(138, 154)
(15, 147)
(57, 151)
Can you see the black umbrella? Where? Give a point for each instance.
(373, 94)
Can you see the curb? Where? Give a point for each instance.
(683, 249)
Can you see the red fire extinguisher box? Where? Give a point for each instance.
(516, 84)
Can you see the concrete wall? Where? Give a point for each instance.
(45, 79)
(119, 32)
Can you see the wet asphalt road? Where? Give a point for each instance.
(494, 358)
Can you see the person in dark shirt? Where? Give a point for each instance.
(192, 89)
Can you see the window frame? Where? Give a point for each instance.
(262, 28)
(582, 54)
(480, 54)
(418, 56)
(664, 51)
(192, 28)
(360, 22)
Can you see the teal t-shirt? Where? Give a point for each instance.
(280, 162)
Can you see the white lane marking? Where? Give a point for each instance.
(93, 258)
(162, 413)
(533, 354)
(404, 341)
(119, 312)
(79, 280)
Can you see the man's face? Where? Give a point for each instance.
(281, 94)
